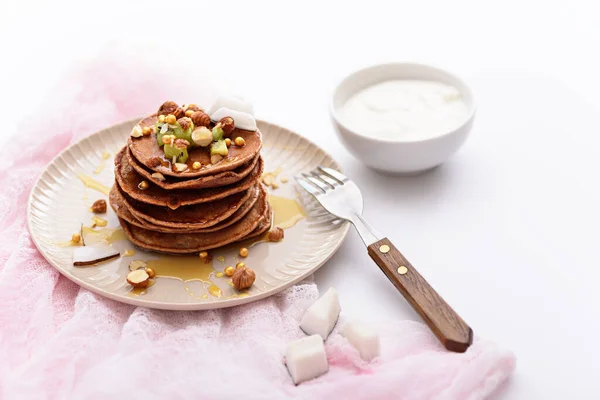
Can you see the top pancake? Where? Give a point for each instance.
(146, 150)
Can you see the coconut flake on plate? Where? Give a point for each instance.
(93, 254)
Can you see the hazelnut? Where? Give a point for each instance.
(154, 161)
(146, 131)
(243, 278)
(151, 273)
(215, 158)
(161, 118)
(99, 207)
(171, 119)
(168, 139)
(76, 238)
(240, 265)
(138, 278)
(227, 124)
(196, 165)
(185, 123)
(179, 112)
(168, 107)
(193, 108)
(158, 176)
(229, 271)
(227, 142)
(276, 235)
(239, 141)
(200, 118)
(203, 254)
(143, 185)
(243, 252)
(137, 264)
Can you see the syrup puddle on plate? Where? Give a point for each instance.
(91, 183)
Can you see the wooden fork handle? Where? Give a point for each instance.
(445, 323)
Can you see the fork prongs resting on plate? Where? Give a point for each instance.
(321, 180)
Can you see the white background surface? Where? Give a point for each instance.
(507, 231)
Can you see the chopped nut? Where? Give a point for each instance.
(181, 143)
(243, 278)
(240, 265)
(136, 132)
(180, 167)
(76, 238)
(138, 278)
(228, 142)
(99, 206)
(146, 131)
(168, 107)
(151, 273)
(185, 123)
(143, 185)
(239, 141)
(283, 179)
(161, 118)
(268, 178)
(228, 125)
(215, 158)
(153, 162)
(200, 118)
(168, 139)
(158, 176)
(137, 264)
(196, 165)
(243, 252)
(171, 119)
(229, 271)
(203, 254)
(276, 235)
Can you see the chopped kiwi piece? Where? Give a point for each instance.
(180, 133)
(219, 147)
(217, 132)
(171, 150)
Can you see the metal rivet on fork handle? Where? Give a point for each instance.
(384, 248)
(402, 270)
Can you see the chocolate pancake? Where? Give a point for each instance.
(120, 206)
(197, 216)
(210, 181)
(254, 223)
(146, 150)
(128, 180)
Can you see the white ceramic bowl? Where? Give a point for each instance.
(400, 156)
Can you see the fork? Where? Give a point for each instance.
(342, 198)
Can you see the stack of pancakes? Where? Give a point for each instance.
(193, 210)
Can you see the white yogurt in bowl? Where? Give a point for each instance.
(407, 109)
(402, 118)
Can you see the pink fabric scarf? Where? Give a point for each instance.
(59, 341)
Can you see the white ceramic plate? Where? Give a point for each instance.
(59, 204)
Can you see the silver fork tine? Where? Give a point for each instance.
(338, 176)
(326, 179)
(308, 187)
(316, 182)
